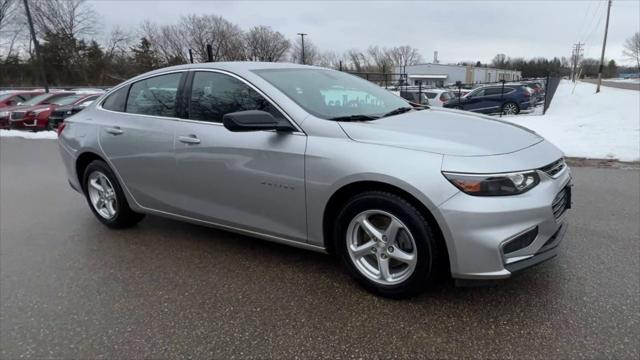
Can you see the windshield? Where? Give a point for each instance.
(67, 100)
(36, 100)
(6, 96)
(331, 94)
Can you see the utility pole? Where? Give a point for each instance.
(604, 45)
(36, 45)
(575, 59)
(302, 35)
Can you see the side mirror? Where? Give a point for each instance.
(252, 120)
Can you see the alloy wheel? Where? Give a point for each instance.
(510, 109)
(381, 247)
(102, 195)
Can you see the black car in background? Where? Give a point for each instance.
(507, 99)
(59, 114)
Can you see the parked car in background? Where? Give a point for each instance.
(415, 97)
(14, 98)
(41, 99)
(326, 161)
(58, 115)
(508, 99)
(36, 117)
(437, 97)
(537, 88)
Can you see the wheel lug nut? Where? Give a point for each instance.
(373, 249)
(383, 256)
(384, 238)
(390, 249)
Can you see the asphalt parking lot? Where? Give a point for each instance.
(71, 288)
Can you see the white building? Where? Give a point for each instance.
(440, 74)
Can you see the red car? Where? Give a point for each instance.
(13, 98)
(45, 98)
(36, 117)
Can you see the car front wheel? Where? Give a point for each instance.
(387, 245)
(106, 198)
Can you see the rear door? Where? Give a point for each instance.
(137, 134)
(248, 180)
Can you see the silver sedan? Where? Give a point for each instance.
(325, 161)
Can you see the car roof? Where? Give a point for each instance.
(237, 67)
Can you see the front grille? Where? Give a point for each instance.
(561, 203)
(17, 115)
(554, 168)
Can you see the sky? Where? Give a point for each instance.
(460, 30)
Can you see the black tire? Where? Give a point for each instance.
(430, 255)
(509, 104)
(124, 217)
(458, 107)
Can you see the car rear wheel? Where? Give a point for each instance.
(106, 198)
(386, 244)
(510, 108)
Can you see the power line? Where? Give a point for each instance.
(590, 23)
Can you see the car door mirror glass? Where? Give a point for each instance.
(252, 120)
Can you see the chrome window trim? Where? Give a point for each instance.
(298, 131)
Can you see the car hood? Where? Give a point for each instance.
(443, 131)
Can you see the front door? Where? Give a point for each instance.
(248, 180)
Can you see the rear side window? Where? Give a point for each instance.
(431, 95)
(155, 96)
(116, 100)
(213, 95)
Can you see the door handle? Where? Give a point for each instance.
(114, 130)
(191, 139)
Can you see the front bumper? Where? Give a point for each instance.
(478, 228)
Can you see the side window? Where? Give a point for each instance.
(155, 96)
(479, 92)
(116, 100)
(214, 94)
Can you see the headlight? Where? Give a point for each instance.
(4, 113)
(494, 184)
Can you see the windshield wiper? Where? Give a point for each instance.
(358, 117)
(400, 110)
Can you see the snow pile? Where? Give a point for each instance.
(29, 134)
(586, 124)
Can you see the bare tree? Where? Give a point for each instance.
(311, 52)
(357, 60)
(72, 18)
(381, 58)
(166, 41)
(406, 55)
(632, 49)
(225, 38)
(500, 61)
(330, 59)
(264, 44)
(11, 29)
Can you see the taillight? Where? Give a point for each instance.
(443, 98)
(61, 127)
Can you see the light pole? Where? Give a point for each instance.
(302, 35)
